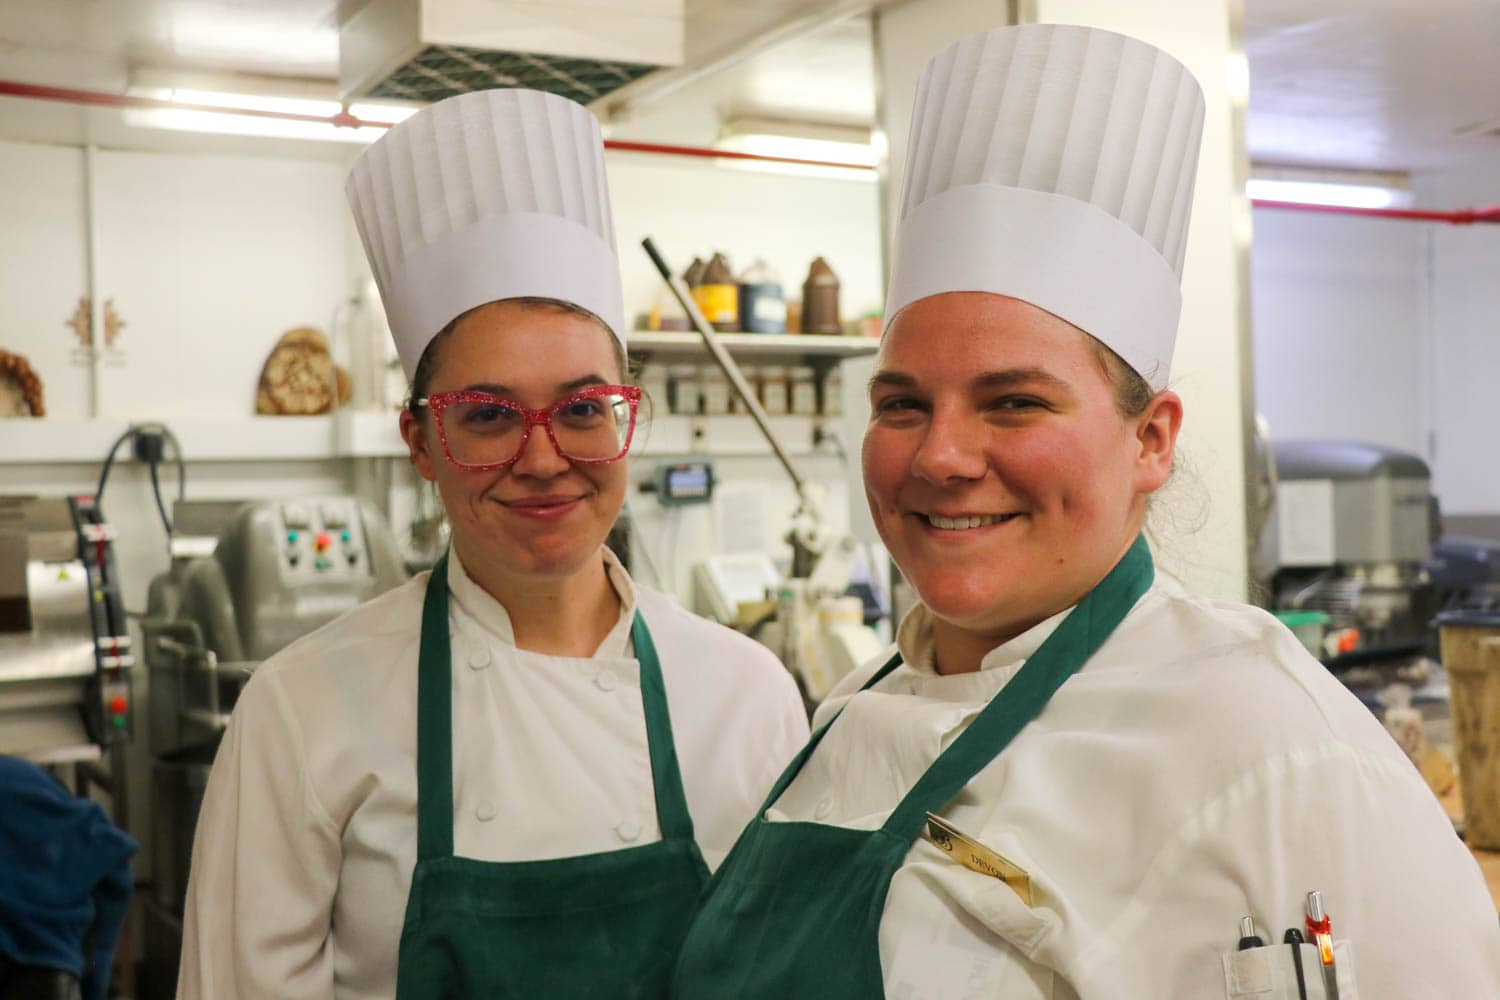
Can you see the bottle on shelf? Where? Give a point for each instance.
(666, 313)
(762, 302)
(718, 295)
(820, 300)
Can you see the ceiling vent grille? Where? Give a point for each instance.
(440, 71)
(426, 50)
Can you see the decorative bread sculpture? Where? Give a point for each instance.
(300, 378)
(20, 388)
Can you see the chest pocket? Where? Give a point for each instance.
(961, 934)
(1269, 973)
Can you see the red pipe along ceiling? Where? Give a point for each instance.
(10, 88)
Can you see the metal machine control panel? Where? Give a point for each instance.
(322, 538)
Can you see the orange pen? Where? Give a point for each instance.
(1320, 929)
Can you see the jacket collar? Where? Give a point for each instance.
(490, 617)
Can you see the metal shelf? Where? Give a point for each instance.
(756, 344)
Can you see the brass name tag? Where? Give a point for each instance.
(976, 857)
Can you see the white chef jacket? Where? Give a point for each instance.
(1201, 767)
(305, 846)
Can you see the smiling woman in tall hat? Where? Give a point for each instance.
(509, 777)
(1118, 771)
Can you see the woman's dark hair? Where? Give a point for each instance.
(1132, 392)
(428, 362)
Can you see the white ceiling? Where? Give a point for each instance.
(82, 42)
(1377, 84)
(1369, 84)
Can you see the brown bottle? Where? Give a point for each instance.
(820, 300)
(693, 276)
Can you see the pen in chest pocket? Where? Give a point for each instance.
(1248, 938)
(1293, 937)
(1320, 928)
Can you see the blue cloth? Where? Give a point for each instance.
(64, 877)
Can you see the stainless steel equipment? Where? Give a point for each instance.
(1351, 529)
(277, 571)
(65, 652)
(255, 578)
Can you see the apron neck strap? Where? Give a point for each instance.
(435, 729)
(790, 772)
(435, 722)
(1063, 653)
(671, 800)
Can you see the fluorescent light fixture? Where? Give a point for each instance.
(791, 147)
(226, 123)
(255, 102)
(1338, 189)
(203, 94)
(390, 114)
(848, 146)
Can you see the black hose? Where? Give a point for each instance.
(109, 461)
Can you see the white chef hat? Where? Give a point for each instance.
(1055, 164)
(489, 195)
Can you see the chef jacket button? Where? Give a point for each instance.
(485, 811)
(628, 830)
(823, 808)
(606, 682)
(479, 658)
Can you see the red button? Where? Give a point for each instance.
(118, 704)
(322, 542)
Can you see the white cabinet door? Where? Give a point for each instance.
(43, 268)
(208, 260)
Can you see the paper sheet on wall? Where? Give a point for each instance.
(742, 521)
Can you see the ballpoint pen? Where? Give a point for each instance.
(1293, 937)
(1248, 937)
(1321, 931)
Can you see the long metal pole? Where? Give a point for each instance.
(731, 369)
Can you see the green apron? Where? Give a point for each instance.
(795, 909)
(604, 925)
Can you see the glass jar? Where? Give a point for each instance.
(833, 392)
(716, 391)
(775, 396)
(752, 379)
(687, 392)
(802, 390)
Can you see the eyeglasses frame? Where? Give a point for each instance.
(437, 402)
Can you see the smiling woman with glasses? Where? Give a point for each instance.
(511, 776)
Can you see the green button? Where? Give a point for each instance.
(345, 536)
(119, 722)
(323, 564)
(291, 536)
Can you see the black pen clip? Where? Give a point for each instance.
(1293, 937)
